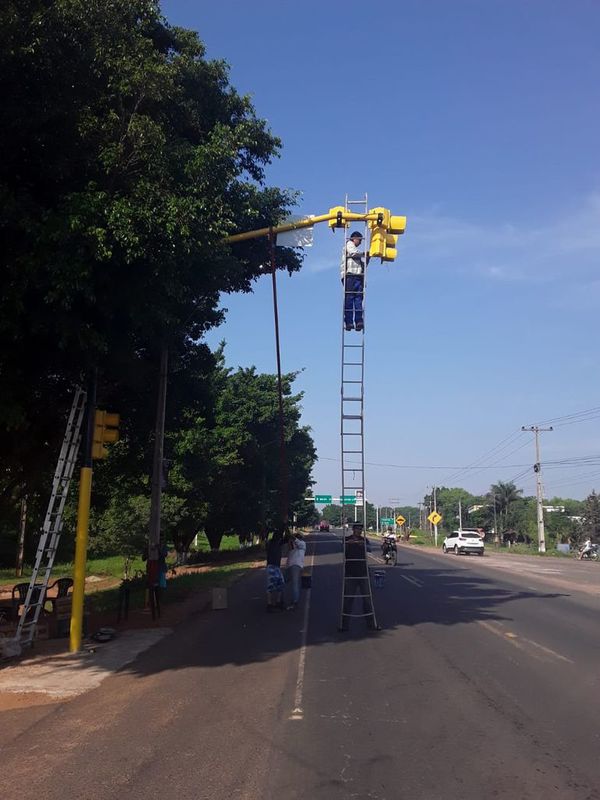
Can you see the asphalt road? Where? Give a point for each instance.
(482, 684)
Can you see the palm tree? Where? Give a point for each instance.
(502, 496)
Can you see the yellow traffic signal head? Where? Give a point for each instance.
(390, 251)
(377, 245)
(383, 218)
(397, 224)
(339, 217)
(106, 431)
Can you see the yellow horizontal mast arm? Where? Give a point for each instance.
(307, 222)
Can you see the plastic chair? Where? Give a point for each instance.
(63, 585)
(19, 595)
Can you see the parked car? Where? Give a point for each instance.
(463, 542)
(324, 526)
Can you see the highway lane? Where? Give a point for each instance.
(482, 684)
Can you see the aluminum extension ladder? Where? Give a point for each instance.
(53, 522)
(353, 441)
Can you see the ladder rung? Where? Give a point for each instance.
(351, 399)
(351, 451)
(351, 416)
(352, 364)
(354, 345)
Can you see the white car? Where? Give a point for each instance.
(463, 542)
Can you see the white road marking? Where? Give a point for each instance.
(298, 712)
(520, 642)
(414, 581)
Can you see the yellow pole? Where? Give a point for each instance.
(81, 541)
(307, 222)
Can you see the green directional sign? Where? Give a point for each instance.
(323, 498)
(387, 521)
(348, 500)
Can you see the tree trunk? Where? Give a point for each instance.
(214, 538)
(21, 541)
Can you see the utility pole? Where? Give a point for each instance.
(157, 466)
(496, 533)
(459, 515)
(537, 468)
(435, 509)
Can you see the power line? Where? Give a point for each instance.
(577, 416)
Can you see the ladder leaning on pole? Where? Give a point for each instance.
(353, 444)
(53, 522)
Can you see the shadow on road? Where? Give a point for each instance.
(245, 633)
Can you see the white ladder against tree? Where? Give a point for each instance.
(53, 522)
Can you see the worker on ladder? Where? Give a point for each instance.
(353, 278)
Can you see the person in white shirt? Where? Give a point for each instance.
(353, 277)
(295, 563)
(586, 548)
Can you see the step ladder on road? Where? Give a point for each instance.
(357, 597)
(53, 522)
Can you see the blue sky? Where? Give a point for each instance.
(479, 120)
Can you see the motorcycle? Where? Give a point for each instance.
(390, 553)
(591, 553)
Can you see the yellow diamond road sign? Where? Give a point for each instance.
(435, 518)
(400, 520)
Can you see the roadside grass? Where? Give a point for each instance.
(111, 567)
(178, 587)
(227, 543)
(423, 539)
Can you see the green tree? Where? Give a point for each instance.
(332, 513)
(503, 496)
(591, 517)
(127, 158)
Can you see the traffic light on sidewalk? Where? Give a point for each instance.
(106, 431)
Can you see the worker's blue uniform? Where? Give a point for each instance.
(353, 267)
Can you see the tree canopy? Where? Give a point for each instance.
(127, 158)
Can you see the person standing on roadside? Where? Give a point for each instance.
(295, 563)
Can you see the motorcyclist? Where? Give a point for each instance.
(587, 548)
(389, 542)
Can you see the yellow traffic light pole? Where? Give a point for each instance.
(337, 218)
(101, 428)
(83, 522)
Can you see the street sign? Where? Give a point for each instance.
(400, 520)
(323, 498)
(387, 521)
(359, 494)
(348, 500)
(435, 518)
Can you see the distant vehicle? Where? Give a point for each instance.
(463, 542)
(324, 526)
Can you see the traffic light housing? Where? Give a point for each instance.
(106, 431)
(339, 217)
(389, 250)
(385, 229)
(377, 243)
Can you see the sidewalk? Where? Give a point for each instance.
(49, 673)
